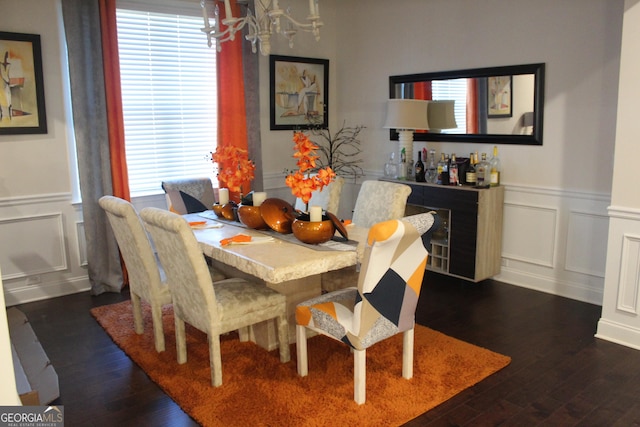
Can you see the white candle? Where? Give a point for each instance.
(205, 15)
(223, 196)
(315, 214)
(259, 197)
(311, 7)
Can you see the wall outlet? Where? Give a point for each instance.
(34, 280)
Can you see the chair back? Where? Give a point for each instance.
(390, 279)
(189, 195)
(189, 279)
(145, 278)
(328, 198)
(380, 201)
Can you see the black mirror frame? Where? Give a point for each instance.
(536, 69)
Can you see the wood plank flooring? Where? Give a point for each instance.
(560, 374)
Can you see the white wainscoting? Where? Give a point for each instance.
(555, 241)
(41, 252)
(620, 321)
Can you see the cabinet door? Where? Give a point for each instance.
(463, 228)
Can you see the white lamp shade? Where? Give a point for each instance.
(441, 114)
(406, 114)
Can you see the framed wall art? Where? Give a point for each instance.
(22, 109)
(298, 92)
(500, 96)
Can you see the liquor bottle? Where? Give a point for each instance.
(432, 169)
(494, 168)
(482, 172)
(402, 168)
(441, 165)
(453, 171)
(419, 168)
(470, 175)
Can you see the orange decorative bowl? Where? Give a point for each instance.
(217, 209)
(313, 232)
(250, 216)
(230, 211)
(278, 215)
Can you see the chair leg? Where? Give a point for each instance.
(181, 340)
(215, 360)
(158, 332)
(359, 376)
(243, 334)
(138, 323)
(283, 339)
(301, 346)
(407, 354)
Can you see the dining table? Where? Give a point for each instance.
(278, 260)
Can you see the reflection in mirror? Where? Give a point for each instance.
(491, 105)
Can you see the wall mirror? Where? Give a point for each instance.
(499, 105)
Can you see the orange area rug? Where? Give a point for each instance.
(258, 390)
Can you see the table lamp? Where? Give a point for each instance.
(406, 115)
(441, 115)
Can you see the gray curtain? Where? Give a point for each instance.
(84, 50)
(250, 63)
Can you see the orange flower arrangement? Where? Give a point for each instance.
(234, 167)
(301, 182)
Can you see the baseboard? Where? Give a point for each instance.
(618, 333)
(44, 291)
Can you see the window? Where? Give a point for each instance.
(455, 89)
(169, 98)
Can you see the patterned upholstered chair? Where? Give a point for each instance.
(214, 308)
(189, 195)
(384, 302)
(380, 201)
(328, 198)
(146, 278)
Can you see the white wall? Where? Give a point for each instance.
(37, 215)
(557, 194)
(8, 391)
(620, 320)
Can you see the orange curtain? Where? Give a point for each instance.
(472, 106)
(422, 90)
(232, 116)
(111, 64)
(113, 95)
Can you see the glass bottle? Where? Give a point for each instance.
(391, 167)
(419, 168)
(402, 167)
(432, 169)
(494, 167)
(470, 175)
(482, 172)
(453, 171)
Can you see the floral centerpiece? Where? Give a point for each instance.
(235, 170)
(302, 182)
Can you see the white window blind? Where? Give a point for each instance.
(455, 89)
(169, 98)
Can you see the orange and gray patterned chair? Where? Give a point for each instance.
(186, 196)
(384, 302)
(214, 308)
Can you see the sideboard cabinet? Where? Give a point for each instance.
(469, 242)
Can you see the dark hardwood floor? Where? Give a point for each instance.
(560, 374)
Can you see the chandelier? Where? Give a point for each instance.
(268, 19)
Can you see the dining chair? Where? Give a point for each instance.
(384, 302)
(328, 198)
(379, 201)
(146, 278)
(186, 196)
(213, 308)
